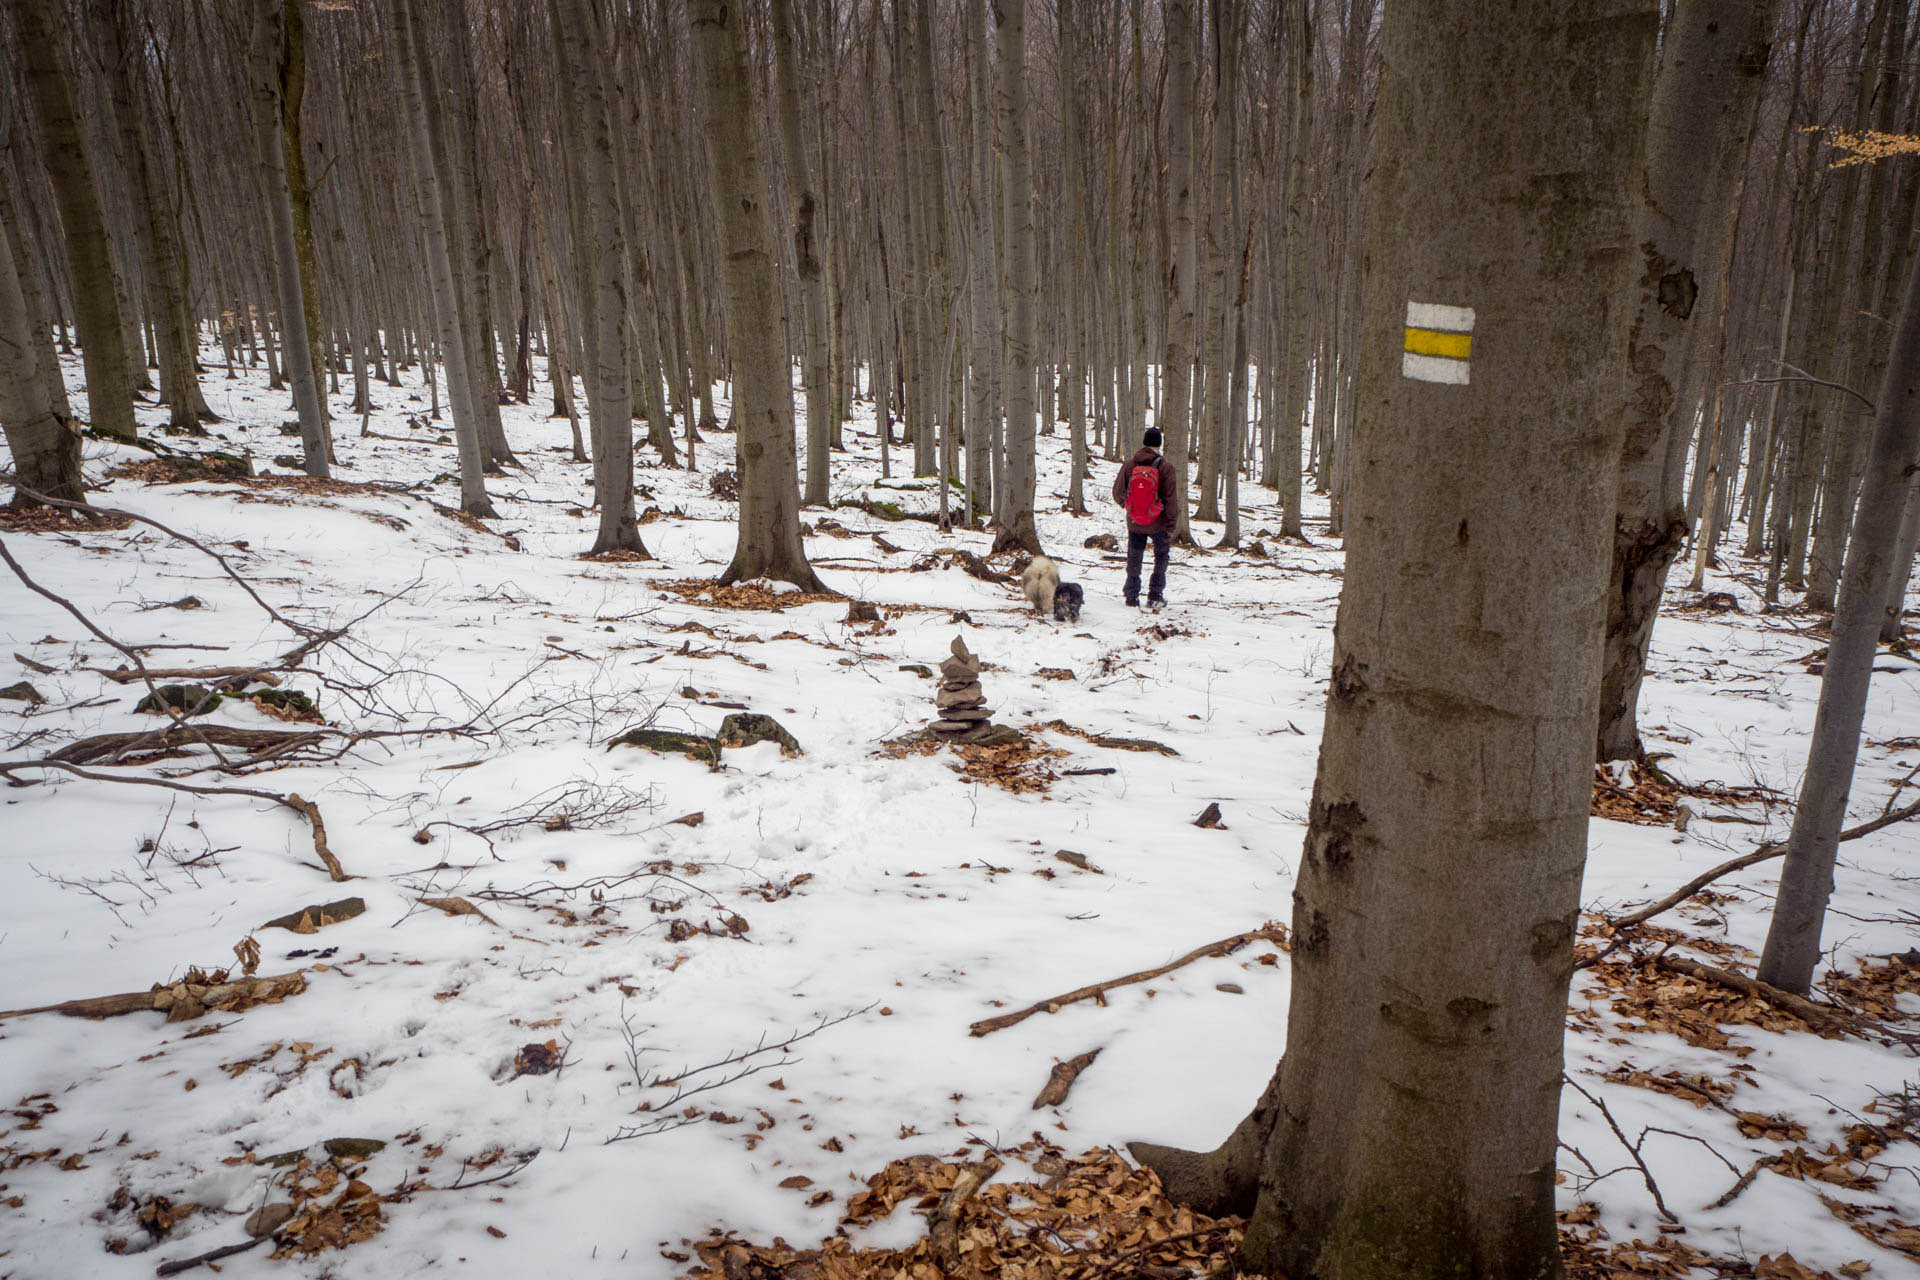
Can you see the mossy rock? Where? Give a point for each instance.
(670, 742)
(746, 728)
(312, 918)
(291, 700)
(919, 669)
(184, 698)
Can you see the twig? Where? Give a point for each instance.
(1633, 1150)
(212, 1255)
(1120, 1260)
(1772, 849)
(298, 628)
(305, 808)
(1226, 946)
(1746, 1180)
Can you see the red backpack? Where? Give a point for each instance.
(1143, 494)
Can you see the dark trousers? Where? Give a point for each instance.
(1136, 551)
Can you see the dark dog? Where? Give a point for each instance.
(1067, 599)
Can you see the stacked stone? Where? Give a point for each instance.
(964, 714)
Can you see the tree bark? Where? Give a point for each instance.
(610, 390)
(428, 145)
(769, 529)
(1713, 62)
(45, 446)
(1439, 890)
(97, 311)
(1806, 881)
(1017, 529)
(805, 211)
(296, 351)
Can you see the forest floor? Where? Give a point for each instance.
(611, 1012)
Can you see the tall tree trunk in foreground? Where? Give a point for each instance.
(1016, 191)
(296, 350)
(1713, 61)
(96, 305)
(44, 445)
(769, 537)
(1806, 878)
(1438, 892)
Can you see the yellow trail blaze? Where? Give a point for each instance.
(1434, 342)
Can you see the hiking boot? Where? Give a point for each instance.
(1156, 605)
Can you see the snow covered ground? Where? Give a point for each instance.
(883, 894)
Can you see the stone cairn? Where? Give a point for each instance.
(964, 714)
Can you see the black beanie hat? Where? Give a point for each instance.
(1152, 438)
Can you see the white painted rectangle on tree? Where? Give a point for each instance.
(1434, 368)
(1435, 315)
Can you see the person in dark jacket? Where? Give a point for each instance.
(1159, 528)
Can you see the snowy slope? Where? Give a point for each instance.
(886, 887)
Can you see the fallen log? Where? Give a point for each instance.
(1273, 933)
(1061, 1079)
(1814, 1015)
(180, 1000)
(110, 745)
(199, 675)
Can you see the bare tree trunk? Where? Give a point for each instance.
(44, 445)
(428, 144)
(805, 211)
(89, 261)
(1176, 367)
(1713, 60)
(1016, 181)
(1806, 878)
(769, 531)
(1439, 890)
(610, 390)
(296, 350)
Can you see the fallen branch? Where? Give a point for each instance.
(1273, 933)
(298, 628)
(1633, 1148)
(115, 745)
(943, 1223)
(1745, 1181)
(1108, 740)
(305, 808)
(180, 1001)
(1766, 852)
(1062, 1078)
(212, 1255)
(458, 907)
(1814, 1015)
(208, 675)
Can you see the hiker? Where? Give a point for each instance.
(1145, 488)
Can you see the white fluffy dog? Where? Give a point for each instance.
(1039, 582)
